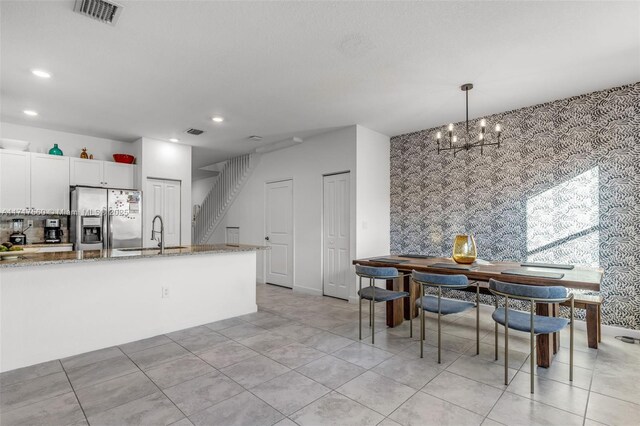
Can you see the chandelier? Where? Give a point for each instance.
(467, 140)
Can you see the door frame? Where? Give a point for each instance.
(293, 229)
(351, 236)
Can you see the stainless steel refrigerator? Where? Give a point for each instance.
(105, 218)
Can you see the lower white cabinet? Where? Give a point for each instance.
(106, 174)
(49, 182)
(162, 197)
(15, 180)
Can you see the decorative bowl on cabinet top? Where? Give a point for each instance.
(124, 158)
(14, 144)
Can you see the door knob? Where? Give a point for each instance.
(266, 238)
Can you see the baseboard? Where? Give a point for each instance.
(307, 290)
(612, 330)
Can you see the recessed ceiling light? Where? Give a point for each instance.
(40, 73)
(174, 140)
(30, 112)
(217, 119)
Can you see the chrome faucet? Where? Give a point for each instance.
(161, 232)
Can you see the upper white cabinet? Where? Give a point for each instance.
(49, 182)
(85, 172)
(119, 175)
(105, 174)
(30, 180)
(15, 180)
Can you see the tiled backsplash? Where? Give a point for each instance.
(35, 234)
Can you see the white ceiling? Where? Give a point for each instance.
(282, 69)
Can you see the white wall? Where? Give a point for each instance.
(306, 164)
(200, 188)
(71, 144)
(373, 193)
(166, 160)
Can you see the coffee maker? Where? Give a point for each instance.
(52, 232)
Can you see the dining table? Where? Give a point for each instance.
(479, 273)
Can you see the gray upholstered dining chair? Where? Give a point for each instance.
(376, 294)
(529, 322)
(441, 306)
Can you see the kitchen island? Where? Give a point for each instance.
(54, 305)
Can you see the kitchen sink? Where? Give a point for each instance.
(150, 248)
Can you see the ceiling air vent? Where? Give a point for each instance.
(100, 10)
(255, 138)
(194, 131)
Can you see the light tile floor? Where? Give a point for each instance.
(298, 361)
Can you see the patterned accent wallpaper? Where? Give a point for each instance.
(563, 187)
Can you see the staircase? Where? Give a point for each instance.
(226, 187)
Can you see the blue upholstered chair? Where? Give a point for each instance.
(440, 306)
(529, 322)
(375, 294)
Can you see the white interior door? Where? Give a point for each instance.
(171, 215)
(279, 232)
(336, 237)
(162, 197)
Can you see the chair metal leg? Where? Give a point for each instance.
(439, 327)
(532, 354)
(373, 314)
(495, 331)
(571, 343)
(506, 341)
(411, 310)
(422, 332)
(424, 329)
(477, 318)
(495, 326)
(360, 310)
(370, 316)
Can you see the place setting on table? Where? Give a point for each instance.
(465, 261)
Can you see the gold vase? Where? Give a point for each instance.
(464, 249)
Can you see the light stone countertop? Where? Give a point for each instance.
(52, 258)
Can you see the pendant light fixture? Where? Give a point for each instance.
(467, 140)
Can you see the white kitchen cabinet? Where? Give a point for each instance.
(85, 172)
(15, 180)
(119, 175)
(49, 182)
(105, 174)
(162, 197)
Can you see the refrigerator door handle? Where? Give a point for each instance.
(105, 230)
(110, 231)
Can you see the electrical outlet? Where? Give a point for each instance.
(165, 292)
(30, 223)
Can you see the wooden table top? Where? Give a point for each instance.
(579, 277)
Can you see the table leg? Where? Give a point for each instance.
(546, 345)
(395, 309)
(414, 293)
(592, 326)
